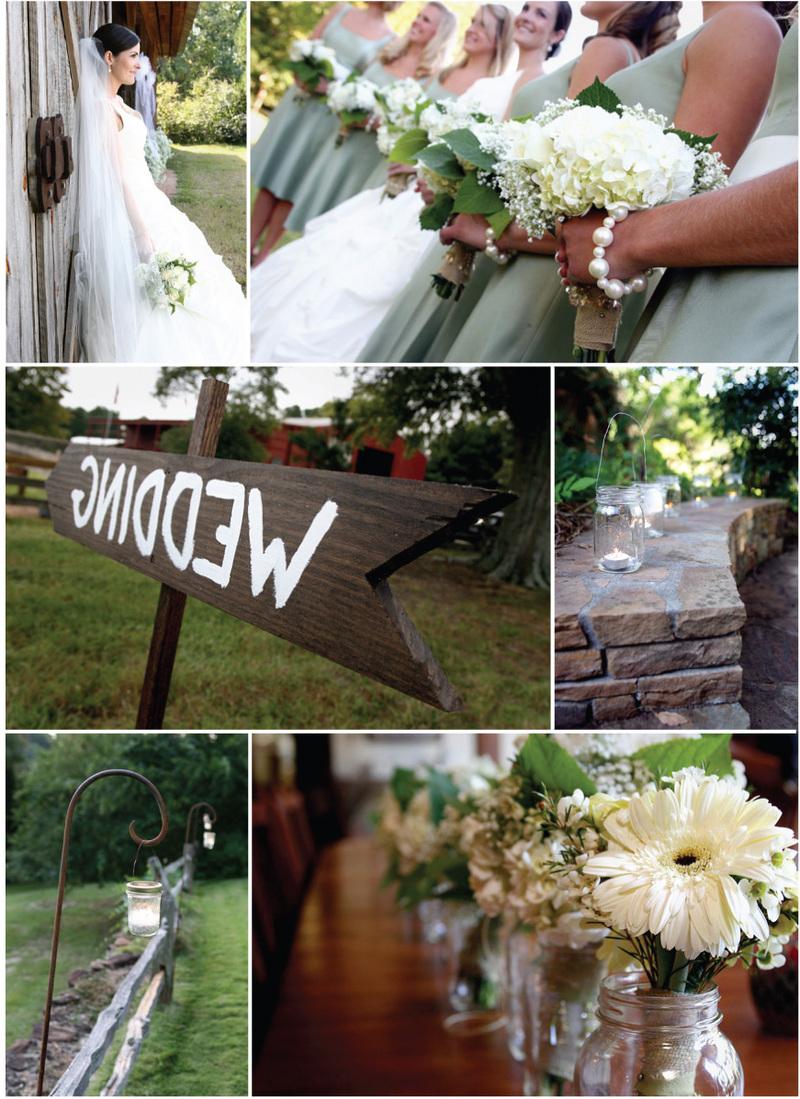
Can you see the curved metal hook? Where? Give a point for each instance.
(62, 880)
(191, 818)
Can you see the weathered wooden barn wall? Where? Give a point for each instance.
(42, 48)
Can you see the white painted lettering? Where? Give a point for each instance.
(108, 498)
(77, 494)
(126, 506)
(153, 482)
(227, 536)
(272, 560)
(184, 482)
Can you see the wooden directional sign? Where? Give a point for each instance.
(301, 553)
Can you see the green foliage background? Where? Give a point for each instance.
(185, 767)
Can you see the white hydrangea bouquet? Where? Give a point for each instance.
(594, 152)
(398, 108)
(353, 101)
(167, 280)
(312, 63)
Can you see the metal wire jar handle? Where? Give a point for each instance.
(62, 881)
(644, 447)
(191, 817)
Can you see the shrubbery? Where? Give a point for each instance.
(213, 113)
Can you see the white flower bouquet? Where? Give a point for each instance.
(167, 280)
(594, 152)
(157, 151)
(312, 63)
(398, 107)
(353, 102)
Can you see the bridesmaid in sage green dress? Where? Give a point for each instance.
(298, 125)
(341, 169)
(411, 325)
(533, 321)
(754, 309)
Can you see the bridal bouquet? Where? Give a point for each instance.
(312, 63)
(166, 280)
(353, 101)
(593, 152)
(398, 108)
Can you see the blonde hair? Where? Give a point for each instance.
(435, 53)
(504, 45)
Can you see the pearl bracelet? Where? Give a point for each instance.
(603, 238)
(492, 251)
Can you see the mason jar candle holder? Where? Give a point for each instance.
(144, 907)
(701, 487)
(672, 501)
(618, 528)
(733, 485)
(209, 838)
(653, 500)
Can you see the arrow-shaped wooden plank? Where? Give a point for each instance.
(302, 553)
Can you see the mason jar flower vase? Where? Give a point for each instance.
(519, 948)
(476, 966)
(144, 907)
(657, 1042)
(561, 993)
(618, 528)
(672, 495)
(653, 501)
(433, 921)
(701, 489)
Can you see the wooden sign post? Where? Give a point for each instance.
(302, 553)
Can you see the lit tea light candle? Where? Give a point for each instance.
(732, 494)
(616, 560)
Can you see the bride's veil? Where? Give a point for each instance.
(110, 301)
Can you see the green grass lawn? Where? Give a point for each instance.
(197, 1044)
(78, 628)
(212, 191)
(86, 924)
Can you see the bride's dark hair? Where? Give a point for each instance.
(115, 37)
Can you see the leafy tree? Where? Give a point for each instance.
(79, 418)
(472, 453)
(33, 399)
(216, 47)
(186, 768)
(758, 414)
(249, 413)
(273, 27)
(333, 452)
(426, 402)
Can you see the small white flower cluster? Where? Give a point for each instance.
(352, 95)
(312, 50)
(396, 108)
(443, 116)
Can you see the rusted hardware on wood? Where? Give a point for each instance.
(62, 880)
(50, 164)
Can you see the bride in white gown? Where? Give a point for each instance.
(124, 220)
(320, 298)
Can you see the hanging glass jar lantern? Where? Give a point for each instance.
(144, 907)
(733, 485)
(618, 528)
(209, 838)
(701, 487)
(653, 500)
(672, 501)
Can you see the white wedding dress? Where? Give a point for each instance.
(320, 298)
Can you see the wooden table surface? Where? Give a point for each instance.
(363, 999)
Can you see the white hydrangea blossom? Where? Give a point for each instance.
(311, 49)
(441, 117)
(352, 95)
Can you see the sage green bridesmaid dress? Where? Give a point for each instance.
(282, 156)
(340, 171)
(419, 323)
(524, 314)
(745, 314)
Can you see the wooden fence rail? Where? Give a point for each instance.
(156, 966)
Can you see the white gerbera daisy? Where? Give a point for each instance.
(676, 857)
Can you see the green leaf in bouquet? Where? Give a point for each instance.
(440, 160)
(441, 789)
(354, 118)
(466, 146)
(476, 198)
(437, 215)
(405, 150)
(500, 221)
(599, 95)
(711, 751)
(544, 764)
(694, 141)
(404, 784)
(304, 72)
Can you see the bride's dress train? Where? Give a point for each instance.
(320, 298)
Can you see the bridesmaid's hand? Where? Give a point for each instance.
(428, 195)
(468, 228)
(575, 249)
(402, 169)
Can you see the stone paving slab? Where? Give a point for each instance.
(680, 615)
